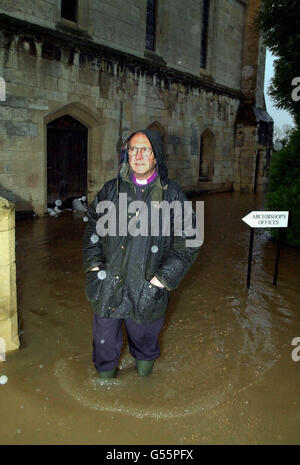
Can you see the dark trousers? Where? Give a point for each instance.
(108, 340)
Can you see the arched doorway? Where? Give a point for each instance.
(206, 164)
(67, 142)
(156, 126)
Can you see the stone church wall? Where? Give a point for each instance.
(50, 72)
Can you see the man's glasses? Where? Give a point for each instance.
(144, 151)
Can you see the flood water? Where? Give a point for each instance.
(225, 374)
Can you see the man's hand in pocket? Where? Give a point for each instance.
(156, 282)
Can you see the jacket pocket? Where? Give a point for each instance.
(150, 297)
(155, 290)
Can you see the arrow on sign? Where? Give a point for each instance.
(267, 219)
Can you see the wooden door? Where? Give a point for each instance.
(66, 159)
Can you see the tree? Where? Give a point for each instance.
(284, 188)
(279, 21)
(282, 134)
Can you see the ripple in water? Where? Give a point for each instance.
(198, 370)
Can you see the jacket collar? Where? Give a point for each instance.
(125, 176)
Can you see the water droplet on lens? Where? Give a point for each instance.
(101, 274)
(58, 203)
(3, 379)
(85, 218)
(154, 249)
(94, 238)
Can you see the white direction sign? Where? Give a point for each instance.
(267, 219)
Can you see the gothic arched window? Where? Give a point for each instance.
(150, 25)
(204, 33)
(69, 10)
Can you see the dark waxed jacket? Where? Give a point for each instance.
(128, 262)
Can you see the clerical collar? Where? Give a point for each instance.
(140, 182)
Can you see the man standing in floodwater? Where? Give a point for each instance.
(129, 276)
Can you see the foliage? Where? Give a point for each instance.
(279, 21)
(284, 188)
(283, 134)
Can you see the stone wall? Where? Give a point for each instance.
(122, 25)
(111, 99)
(252, 55)
(254, 127)
(228, 42)
(52, 68)
(249, 162)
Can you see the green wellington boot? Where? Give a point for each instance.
(107, 374)
(144, 367)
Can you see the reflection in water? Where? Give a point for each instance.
(225, 349)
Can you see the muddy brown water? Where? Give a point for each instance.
(225, 374)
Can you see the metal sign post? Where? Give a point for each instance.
(266, 219)
(250, 256)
